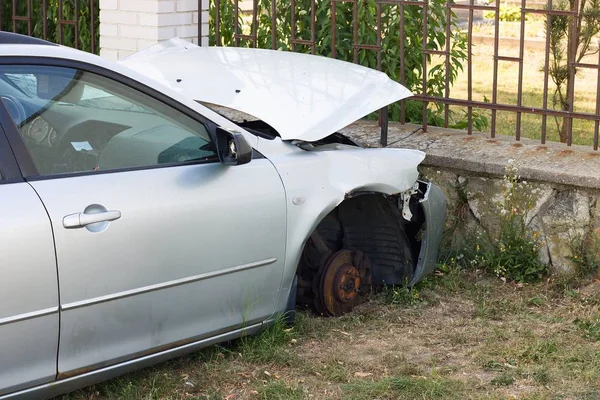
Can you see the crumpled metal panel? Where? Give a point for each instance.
(434, 208)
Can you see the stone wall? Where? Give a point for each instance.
(564, 182)
(561, 216)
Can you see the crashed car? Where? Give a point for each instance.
(140, 225)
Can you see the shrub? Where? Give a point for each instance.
(84, 19)
(515, 255)
(507, 14)
(585, 254)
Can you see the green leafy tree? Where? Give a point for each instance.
(367, 12)
(567, 46)
(84, 19)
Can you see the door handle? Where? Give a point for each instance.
(80, 220)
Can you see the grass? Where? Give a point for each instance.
(533, 80)
(470, 336)
(534, 27)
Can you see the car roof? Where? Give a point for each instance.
(14, 44)
(15, 38)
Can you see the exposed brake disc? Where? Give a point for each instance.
(340, 281)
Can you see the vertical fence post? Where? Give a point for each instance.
(202, 19)
(572, 57)
(383, 121)
(424, 61)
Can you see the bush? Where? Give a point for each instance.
(367, 34)
(507, 14)
(515, 255)
(585, 254)
(84, 19)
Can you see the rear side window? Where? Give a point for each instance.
(75, 121)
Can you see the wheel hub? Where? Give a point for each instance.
(341, 279)
(347, 278)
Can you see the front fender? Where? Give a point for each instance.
(317, 182)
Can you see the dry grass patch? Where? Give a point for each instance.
(468, 336)
(533, 83)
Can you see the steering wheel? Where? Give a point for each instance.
(15, 109)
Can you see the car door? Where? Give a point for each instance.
(157, 243)
(28, 283)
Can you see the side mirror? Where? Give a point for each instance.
(232, 148)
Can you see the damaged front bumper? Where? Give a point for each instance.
(430, 204)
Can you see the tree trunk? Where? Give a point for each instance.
(563, 132)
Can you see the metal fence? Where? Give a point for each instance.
(73, 23)
(539, 116)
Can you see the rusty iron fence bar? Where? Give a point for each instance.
(445, 53)
(60, 21)
(548, 11)
(546, 68)
(508, 107)
(447, 66)
(495, 60)
(571, 91)
(424, 63)
(520, 84)
(469, 65)
(25, 18)
(401, 25)
(597, 123)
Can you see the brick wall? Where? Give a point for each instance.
(127, 26)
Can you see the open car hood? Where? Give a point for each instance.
(301, 96)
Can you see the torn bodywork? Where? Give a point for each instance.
(356, 216)
(370, 239)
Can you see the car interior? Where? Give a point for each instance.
(73, 121)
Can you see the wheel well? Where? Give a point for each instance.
(370, 223)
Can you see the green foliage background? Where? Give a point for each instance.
(367, 34)
(84, 19)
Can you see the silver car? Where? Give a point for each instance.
(139, 225)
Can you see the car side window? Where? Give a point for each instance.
(75, 121)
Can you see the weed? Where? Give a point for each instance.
(277, 390)
(447, 279)
(504, 379)
(405, 387)
(515, 255)
(401, 295)
(458, 215)
(493, 365)
(539, 351)
(269, 345)
(335, 371)
(542, 376)
(536, 301)
(493, 309)
(585, 253)
(457, 339)
(590, 328)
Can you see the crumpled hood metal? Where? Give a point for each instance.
(302, 96)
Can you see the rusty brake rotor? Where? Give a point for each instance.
(339, 282)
